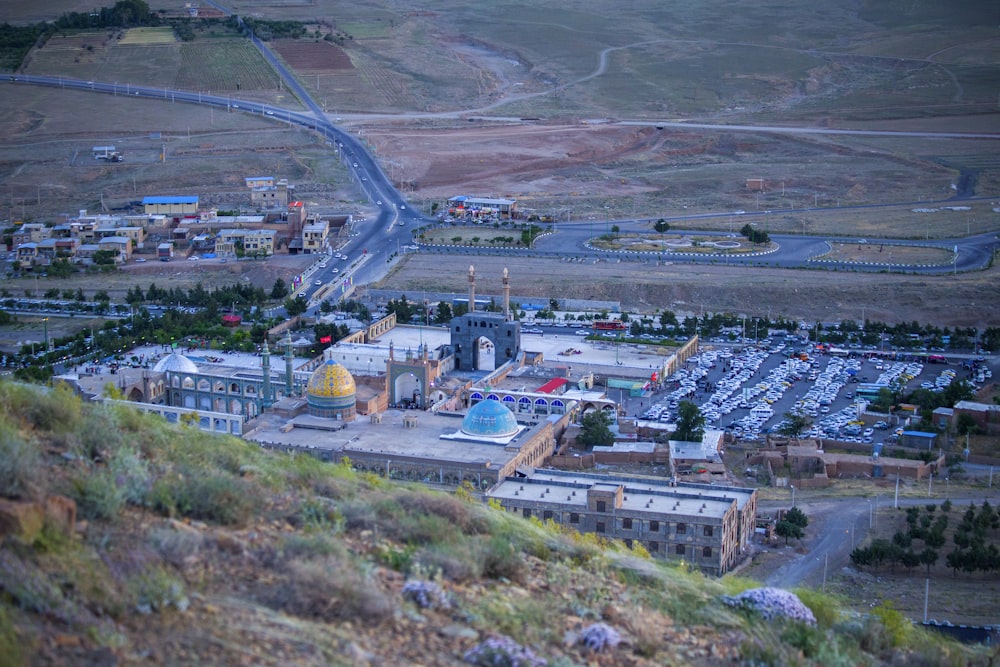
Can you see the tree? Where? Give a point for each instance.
(296, 306)
(787, 529)
(442, 313)
(928, 557)
(661, 226)
(690, 422)
(279, 290)
(595, 429)
(797, 516)
(966, 424)
(793, 424)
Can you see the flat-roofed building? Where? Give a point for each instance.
(707, 526)
(171, 205)
(121, 246)
(258, 242)
(30, 232)
(314, 235)
(258, 181)
(482, 206)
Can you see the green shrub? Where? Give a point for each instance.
(331, 587)
(174, 546)
(808, 639)
(19, 463)
(824, 607)
(455, 563)
(297, 546)
(394, 557)
(499, 559)
(131, 471)
(206, 496)
(32, 590)
(97, 494)
(97, 436)
(56, 410)
(897, 627)
(10, 646)
(157, 590)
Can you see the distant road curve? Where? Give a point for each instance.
(783, 129)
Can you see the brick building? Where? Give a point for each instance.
(708, 526)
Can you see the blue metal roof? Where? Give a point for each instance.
(169, 200)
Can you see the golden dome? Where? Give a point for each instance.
(331, 380)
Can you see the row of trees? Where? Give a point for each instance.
(973, 538)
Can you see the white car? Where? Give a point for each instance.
(318, 283)
(336, 270)
(140, 260)
(378, 203)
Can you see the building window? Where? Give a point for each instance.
(707, 552)
(654, 526)
(547, 514)
(600, 527)
(708, 531)
(574, 517)
(682, 528)
(526, 512)
(627, 524)
(680, 550)
(602, 506)
(654, 547)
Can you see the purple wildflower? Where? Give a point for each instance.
(599, 636)
(502, 651)
(772, 603)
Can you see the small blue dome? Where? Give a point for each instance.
(489, 419)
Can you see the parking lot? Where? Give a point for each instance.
(749, 391)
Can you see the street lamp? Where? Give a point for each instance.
(793, 494)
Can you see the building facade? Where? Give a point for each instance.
(706, 526)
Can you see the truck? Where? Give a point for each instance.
(165, 251)
(109, 153)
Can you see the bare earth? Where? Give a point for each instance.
(962, 300)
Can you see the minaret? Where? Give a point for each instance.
(472, 288)
(289, 371)
(265, 367)
(506, 295)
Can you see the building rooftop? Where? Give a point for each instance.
(725, 493)
(654, 497)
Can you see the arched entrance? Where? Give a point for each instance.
(486, 354)
(407, 390)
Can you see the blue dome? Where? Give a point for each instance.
(489, 419)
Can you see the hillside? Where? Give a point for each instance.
(129, 541)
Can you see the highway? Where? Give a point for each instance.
(392, 226)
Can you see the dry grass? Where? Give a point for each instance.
(877, 253)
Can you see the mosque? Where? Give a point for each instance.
(408, 415)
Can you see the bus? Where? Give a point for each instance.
(609, 325)
(870, 390)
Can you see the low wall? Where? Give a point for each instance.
(571, 462)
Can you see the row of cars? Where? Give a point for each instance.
(740, 388)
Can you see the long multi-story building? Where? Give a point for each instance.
(709, 527)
